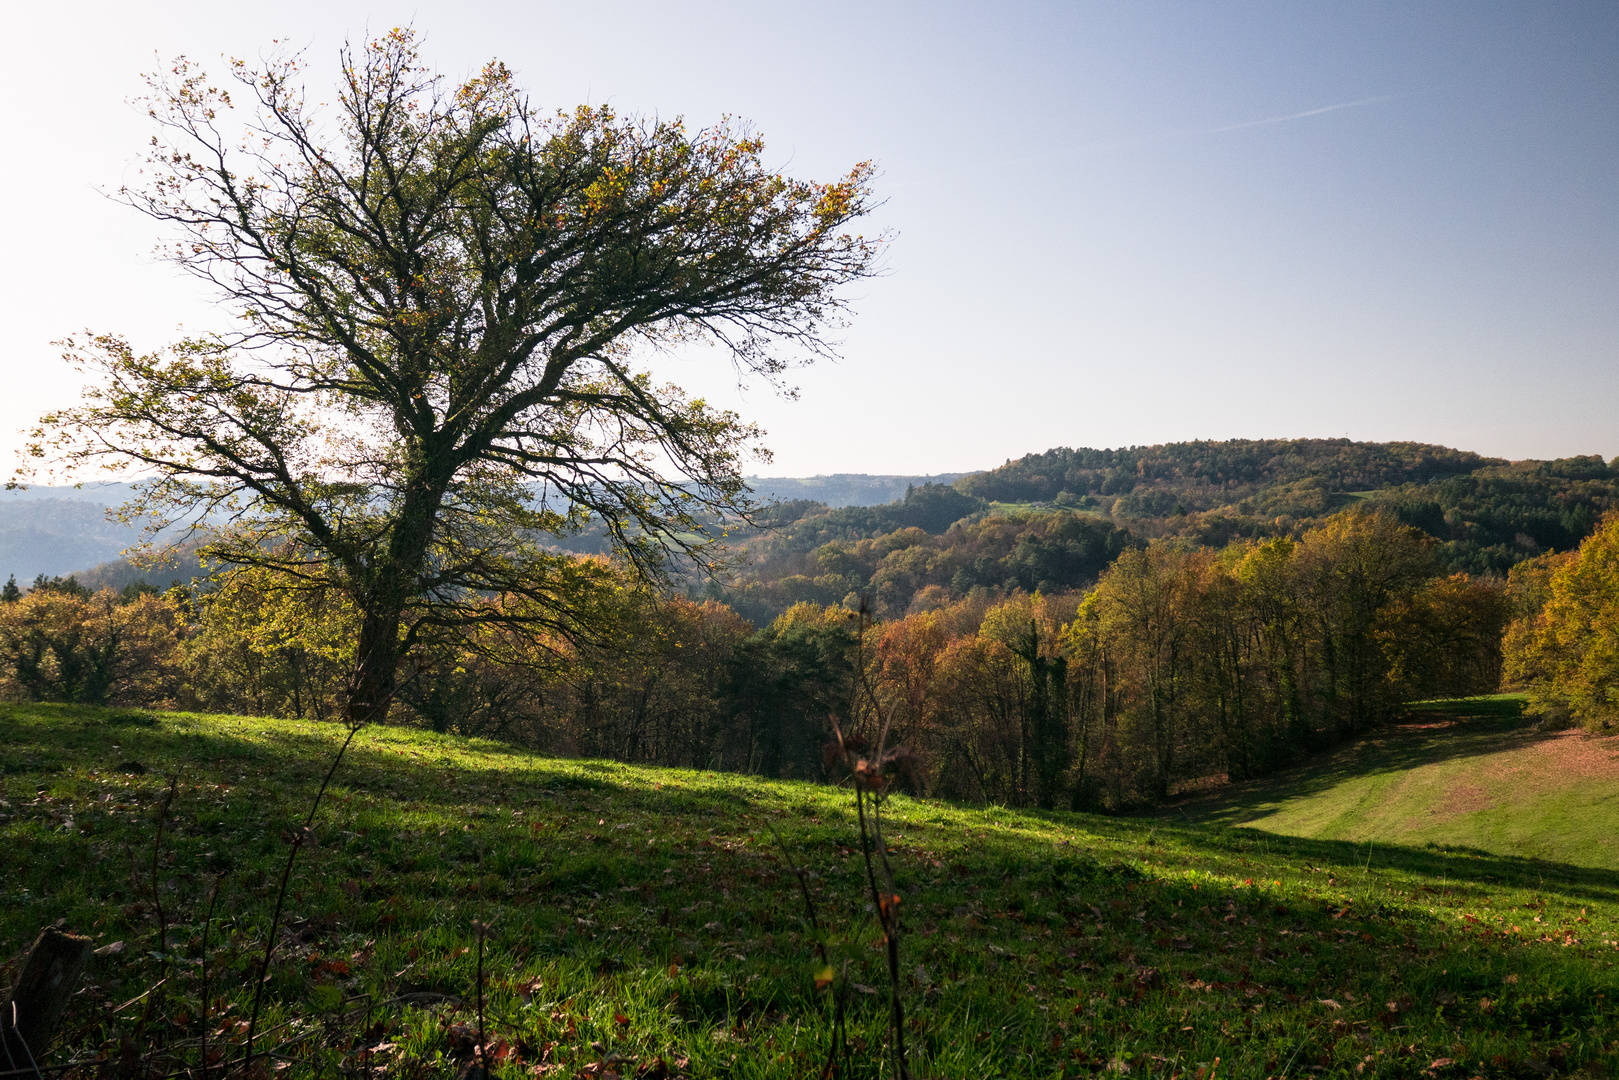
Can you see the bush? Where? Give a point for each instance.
(68, 645)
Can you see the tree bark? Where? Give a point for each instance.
(49, 977)
(390, 586)
(376, 665)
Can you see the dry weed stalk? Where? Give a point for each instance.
(826, 976)
(304, 834)
(873, 778)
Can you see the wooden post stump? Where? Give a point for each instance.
(49, 977)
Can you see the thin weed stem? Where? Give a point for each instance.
(868, 777)
(157, 851)
(153, 998)
(481, 930)
(207, 924)
(298, 839)
(840, 1039)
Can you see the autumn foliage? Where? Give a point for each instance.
(1181, 667)
(1564, 647)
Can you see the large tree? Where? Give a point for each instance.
(448, 302)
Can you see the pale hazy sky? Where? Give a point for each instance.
(1115, 223)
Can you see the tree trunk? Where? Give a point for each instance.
(387, 588)
(49, 978)
(376, 664)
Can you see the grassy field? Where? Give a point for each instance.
(643, 923)
(1469, 775)
(1014, 508)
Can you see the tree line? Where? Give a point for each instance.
(1179, 667)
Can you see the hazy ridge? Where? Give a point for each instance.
(1489, 512)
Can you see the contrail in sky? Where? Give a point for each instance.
(1141, 140)
(1294, 116)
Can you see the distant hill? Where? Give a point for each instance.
(53, 536)
(843, 489)
(1487, 513)
(179, 566)
(1053, 521)
(103, 494)
(64, 530)
(1206, 475)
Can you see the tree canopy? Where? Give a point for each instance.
(447, 305)
(1487, 514)
(1564, 647)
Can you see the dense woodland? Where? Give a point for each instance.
(1050, 655)
(1487, 513)
(1051, 521)
(1564, 647)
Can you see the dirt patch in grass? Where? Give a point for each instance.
(1464, 799)
(1550, 761)
(1425, 722)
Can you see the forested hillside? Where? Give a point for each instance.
(1054, 521)
(1208, 475)
(1497, 516)
(1085, 653)
(934, 544)
(1488, 514)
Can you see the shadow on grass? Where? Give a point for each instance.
(298, 757)
(1450, 863)
(48, 738)
(1430, 733)
(1014, 928)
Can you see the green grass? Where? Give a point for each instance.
(1468, 773)
(647, 910)
(1012, 508)
(1018, 508)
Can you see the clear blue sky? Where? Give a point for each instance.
(1115, 223)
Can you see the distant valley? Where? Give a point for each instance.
(1487, 514)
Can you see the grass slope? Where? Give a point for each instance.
(646, 911)
(1470, 774)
